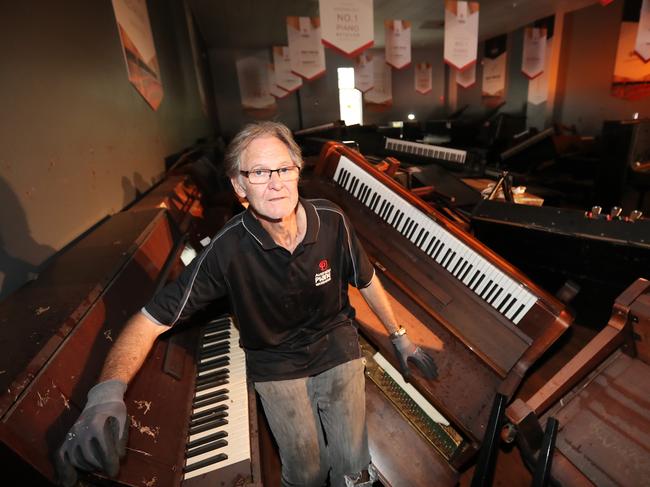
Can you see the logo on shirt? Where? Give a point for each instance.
(325, 274)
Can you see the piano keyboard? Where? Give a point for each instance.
(219, 429)
(426, 150)
(509, 297)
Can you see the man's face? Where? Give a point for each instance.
(275, 199)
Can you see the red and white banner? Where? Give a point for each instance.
(423, 78)
(533, 59)
(305, 48)
(382, 92)
(494, 67)
(538, 87)
(274, 89)
(139, 51)
(254, 82)
(642, 44)
(348, 25)
(461, 33)
(467, 77)
(398, 43)
(284, 78)
(364, 76)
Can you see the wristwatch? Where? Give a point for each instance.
(396, 334)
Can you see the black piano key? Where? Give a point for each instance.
(450, 259)
(467, 271)
(216, 393)
(216, 328)
(440, 249)
(389, 214)
(382, 207)
(418, 239)
(215, 445)
(516, 316)
(221, 362)
(444, 257)
(489, 288)
(208, 385)
(503, 304)
(430, 247)
(208, 419)
(207, 439)
(496, 295)
(353, 186)
(407, 222)
(413, 230)
(376, 203)
(204, 463)
(216, 337)
(478, 283)
(507, 308)
(206, 402)
(216, 375)
(367, 196)
(208, 426)
(459, 266)
(399, 219)
(208, 412)
(215, 350)
(471, 282)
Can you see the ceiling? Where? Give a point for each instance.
(257, 24)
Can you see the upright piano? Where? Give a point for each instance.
(191, 414)
(482, 320)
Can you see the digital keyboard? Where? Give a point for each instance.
(456, 156)
(508, 296)
(219, 433)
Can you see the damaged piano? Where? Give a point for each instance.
(481, 319)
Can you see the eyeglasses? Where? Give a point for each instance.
(263, 176)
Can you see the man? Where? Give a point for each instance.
(285, 264)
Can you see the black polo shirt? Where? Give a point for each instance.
(293, 311)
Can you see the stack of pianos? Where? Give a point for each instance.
(193, 417)
(486, 325)
(191, 420)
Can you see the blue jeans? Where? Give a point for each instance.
(319, 423)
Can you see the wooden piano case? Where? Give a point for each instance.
(477, 352)
(601, 400)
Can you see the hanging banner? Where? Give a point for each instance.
(274, 89)
(631, 75)
(284, 78)
(305, 48)
(398, 43)
(381, 95)
(538, 87)
(467, 77)
(254, 82)
(461, 33)
(494, 67)
(423, 78)
(532, 63)
(642, 44)
(347, 25)
(139, 51)
(364, 78)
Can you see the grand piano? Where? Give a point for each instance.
(483, 321)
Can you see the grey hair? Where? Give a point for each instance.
(255, 131)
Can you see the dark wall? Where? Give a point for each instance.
(77, 141)
(587, 68)
(319, 100)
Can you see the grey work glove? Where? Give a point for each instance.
(97, 440)
(408, 351)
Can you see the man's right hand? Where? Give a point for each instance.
(97, 440)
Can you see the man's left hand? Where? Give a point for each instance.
(408, 351)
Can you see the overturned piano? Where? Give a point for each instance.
(483, 321)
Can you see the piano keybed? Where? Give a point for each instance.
(219, 433)
(422, 415)
(509, 297)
